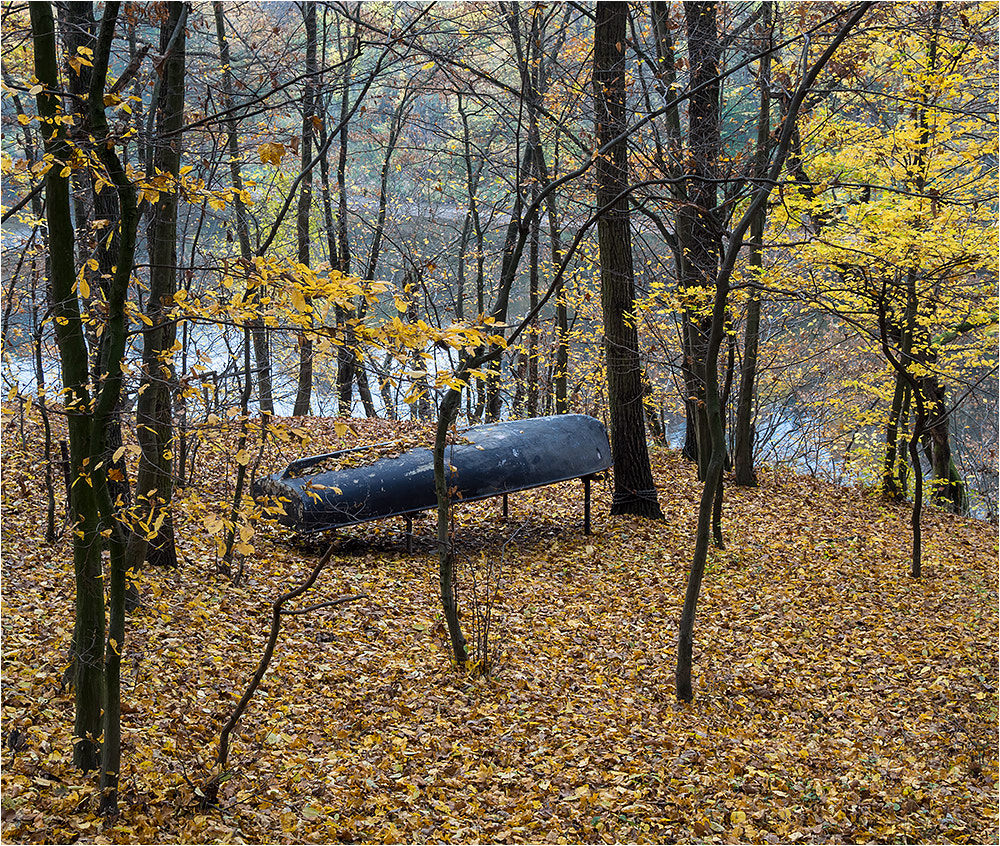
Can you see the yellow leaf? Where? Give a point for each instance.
(243, 457)
(298, 301)
(271, 153)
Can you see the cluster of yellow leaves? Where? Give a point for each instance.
(191, 188)
(837, 699)
(896, 192)
(283, 293)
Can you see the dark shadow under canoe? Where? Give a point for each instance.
(488, 461)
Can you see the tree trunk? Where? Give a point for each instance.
(446, 562)
(154, 541)
(697, 228)
(243, 235)
(346, 357)
(635, 492)
(112, 351)
(892, 488)
(744, 435)
(262, 355)
(91, 506)
(303, 395)
(949, 489)
(685, 638)
(700, 262)
(88, 631)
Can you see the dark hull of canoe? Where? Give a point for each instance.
(494, 459)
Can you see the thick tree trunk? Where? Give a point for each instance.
(154, 425)
(949, 488)
(635, 492)
(697, 228)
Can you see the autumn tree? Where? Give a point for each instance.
(897, 244)
(714, 413)
(89, 405)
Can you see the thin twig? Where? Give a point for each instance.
(340, 600)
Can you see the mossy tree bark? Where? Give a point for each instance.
(90, 410)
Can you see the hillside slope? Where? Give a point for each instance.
(837, 699)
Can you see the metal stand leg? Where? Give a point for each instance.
(506, 511)
(586, 505)
(409, 533)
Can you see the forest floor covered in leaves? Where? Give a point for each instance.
(837, 699)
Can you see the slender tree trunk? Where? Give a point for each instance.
(446, 561)
(744, 457)
(346, 357)
(303, 394)
(705, 338)
(472, 175)
(262, 355)
(560, 380)
(246, 254)
(494, 399)
(892, 490)
(697, 19)
(88, 632)
(532, 354)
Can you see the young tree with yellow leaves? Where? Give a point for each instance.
(897, 229)
(89, 406)
(701, 26)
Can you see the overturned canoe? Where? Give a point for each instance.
(489, 460)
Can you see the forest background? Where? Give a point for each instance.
(764, 234)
